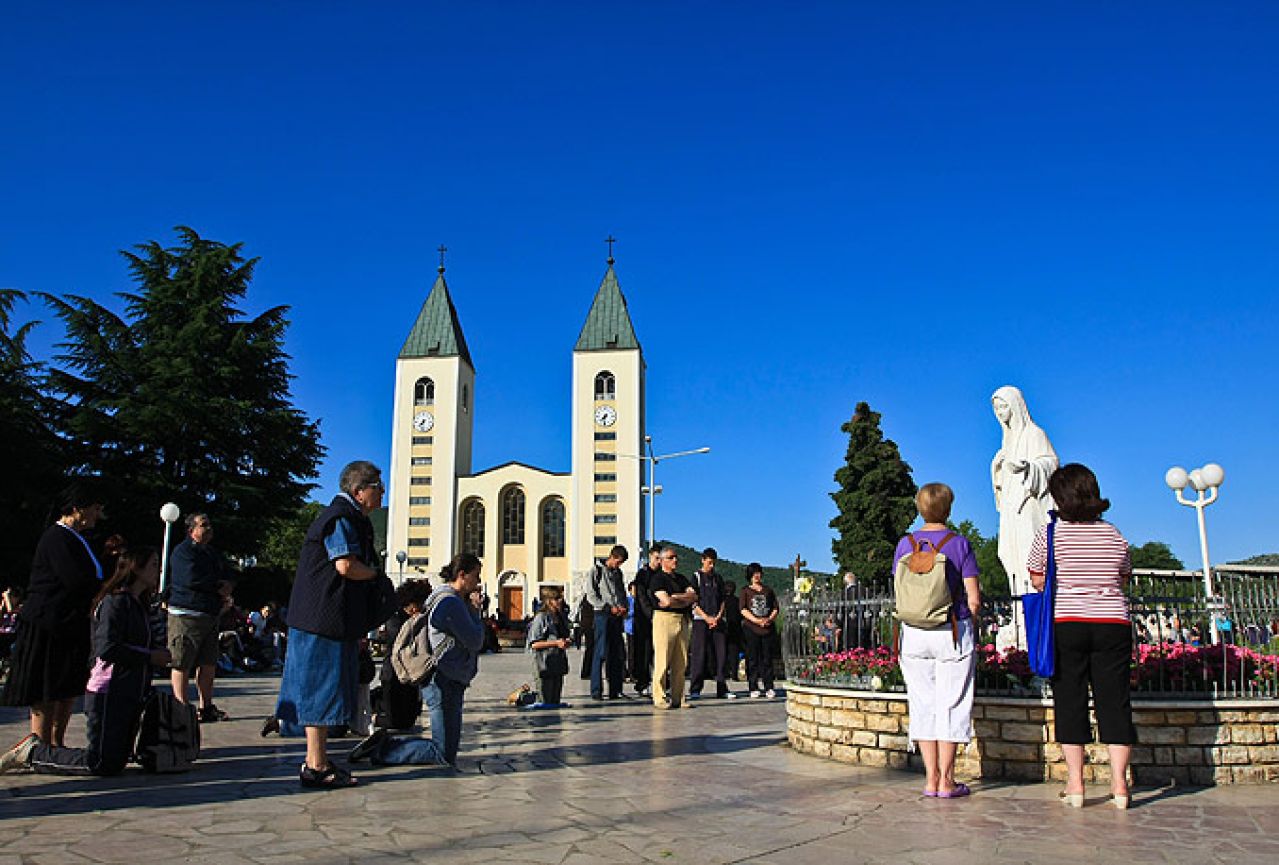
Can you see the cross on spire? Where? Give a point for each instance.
(442, 249)
(610, 240)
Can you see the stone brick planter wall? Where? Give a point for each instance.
(1185, 742)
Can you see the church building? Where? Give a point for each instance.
(532, 527)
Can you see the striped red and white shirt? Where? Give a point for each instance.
(1092, 564)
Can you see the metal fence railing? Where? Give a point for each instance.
(1185, 644)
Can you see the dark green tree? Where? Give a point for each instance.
(876, 499)
(184, 398)
(1155, 555)
(34, 468)
(994, 579)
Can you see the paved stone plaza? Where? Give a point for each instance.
(601, 782)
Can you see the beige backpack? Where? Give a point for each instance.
(411, 656)
(924, 598)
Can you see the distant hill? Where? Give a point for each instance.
(781, 579)
(1266, 559)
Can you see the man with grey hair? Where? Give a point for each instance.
(195, 603)
(673, 598)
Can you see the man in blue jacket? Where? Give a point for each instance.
(194, 606)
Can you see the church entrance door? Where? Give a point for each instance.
(512, 603)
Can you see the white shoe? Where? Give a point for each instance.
(754, 695)
(770, 693)
(19, 756)
(730, 696)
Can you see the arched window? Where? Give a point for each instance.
(605, 386)
(553, 528)
(513, 516)
(473, 527)
(424, 392)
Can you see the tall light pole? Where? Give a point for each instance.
(653, 489)
(1203, 480)
(401, 557)
(169, 513)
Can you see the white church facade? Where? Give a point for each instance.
(533, 528)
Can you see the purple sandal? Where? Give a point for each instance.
(958, 791)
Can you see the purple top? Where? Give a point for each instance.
(961, 562)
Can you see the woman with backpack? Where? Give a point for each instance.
(120, 679)
(938, 662)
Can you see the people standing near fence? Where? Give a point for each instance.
(52, 647)
(759, 612)
(642, 628)
(120, 679)
(674, 597)
(1091, 628)
(938, 663)
(709, 629)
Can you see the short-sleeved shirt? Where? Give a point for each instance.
(961, 563)
(672, 584)
(760, 603)
(343, 540)
(1092, 564)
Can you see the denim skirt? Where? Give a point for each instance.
(321, 681)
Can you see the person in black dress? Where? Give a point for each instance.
(53, 644)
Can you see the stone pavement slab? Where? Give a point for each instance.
(608, 782)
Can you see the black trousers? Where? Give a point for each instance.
(112, 728)
(551, 687)
(708, 647)
(641, 655)
(759, 659)
(1093, 655)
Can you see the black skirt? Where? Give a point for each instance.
(47, 665)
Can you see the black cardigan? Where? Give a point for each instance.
(63, 583)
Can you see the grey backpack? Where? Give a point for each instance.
(924, 598)
(412, 658)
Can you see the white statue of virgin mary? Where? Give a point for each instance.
(1019, 474)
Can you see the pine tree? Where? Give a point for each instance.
(876, 499)
(185, 399)
(34, 470)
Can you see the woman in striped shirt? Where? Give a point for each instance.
(1091, 628)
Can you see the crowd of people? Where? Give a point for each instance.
(85, 630)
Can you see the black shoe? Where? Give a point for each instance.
(368, 747)
(597, 696)
(211, 714)
(330, 778)
(619, 696)
(269, 726)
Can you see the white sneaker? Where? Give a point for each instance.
(730, 696)
(754, 695)
(770, 693)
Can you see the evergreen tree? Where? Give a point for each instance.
(185, 399)
(876, 499)
(994, 579)
(1154, 555)
(34, 470)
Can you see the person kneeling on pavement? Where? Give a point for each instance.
(451, 615)
(547, 641)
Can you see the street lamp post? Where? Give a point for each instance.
(169, 513)
(1205, 481)
(653, 489)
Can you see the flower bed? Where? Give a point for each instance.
(1157, 669)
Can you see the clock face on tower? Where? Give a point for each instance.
(423, 421)
(606, 415)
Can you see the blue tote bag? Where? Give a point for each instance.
(1038, 609)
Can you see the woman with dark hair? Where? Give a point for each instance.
(456, 635)
(120, 679)
(759, 611)
(52, 646)
(1091, 628)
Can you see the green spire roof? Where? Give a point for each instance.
(608, 325)
(437, 333)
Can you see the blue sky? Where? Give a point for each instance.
(816, 204)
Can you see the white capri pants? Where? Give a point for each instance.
(939, 682)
